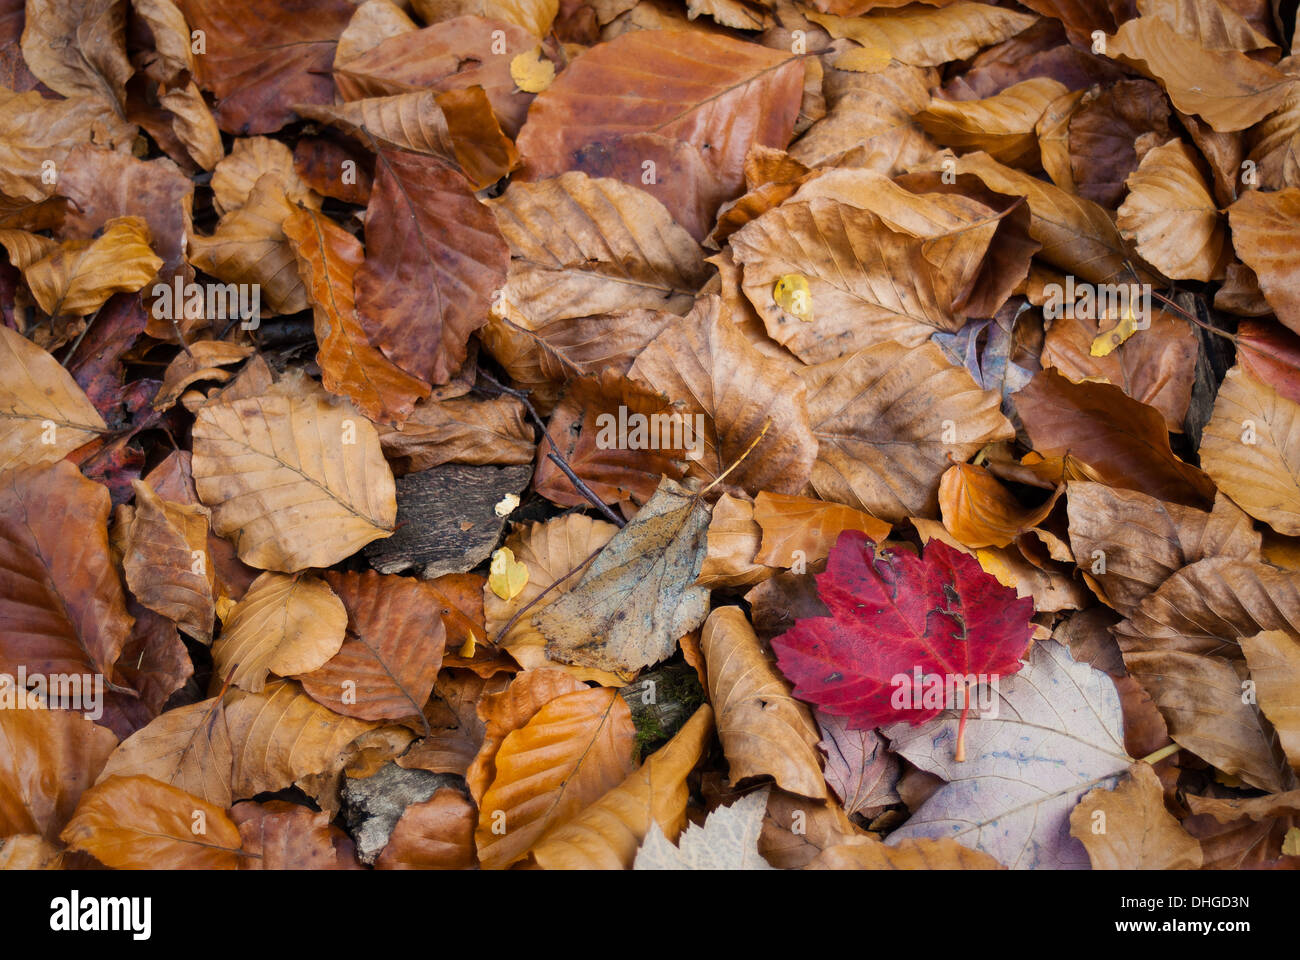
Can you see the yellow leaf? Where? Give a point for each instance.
(1108, 340)
(531, 72)
(792, 295)
(1291, 843)
(507, 576)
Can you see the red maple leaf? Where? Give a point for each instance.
(897, 618)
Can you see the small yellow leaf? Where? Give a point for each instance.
(792, 295)
(996, 567)
(467, 648)
(864, 60)
(531, 72)
(1291, 843)
(1108, 340)
(507, 576)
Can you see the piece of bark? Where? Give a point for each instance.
(373, 806)
(446, 518)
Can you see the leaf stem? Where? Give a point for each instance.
(1166, 751)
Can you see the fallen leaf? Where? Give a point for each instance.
(1274, 660)
(39, 400)
(35, 742)
(728, 840)
(1128, 828)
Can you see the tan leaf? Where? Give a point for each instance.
(34, 131)
(705, 361)
(281, 735)
(882, 416)
(1228, 89)
(78, 49)
(793, 524)
(926, 36)
(47, 758)
(202, 360)
(1263, 225)
(460, 430)
(163, 545)
(250, 159)
(534, 16)
(733, 541)
(284, 625)
(328, 258)
(922, 853)
(1250, 447)
(559, 548)
(1274, 660)
(187, 747)
(27, 851)
(764, 730)
(606, 835)
(1137, 832)
(1170, 215)
(39, 400)
(573, 751)
(282, 480)
(1003, 126)
(581, 246)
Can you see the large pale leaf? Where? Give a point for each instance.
(728, 840)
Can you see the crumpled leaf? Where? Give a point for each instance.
(76, 279)
(1128, 828)
(166, 563)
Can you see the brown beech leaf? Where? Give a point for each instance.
(922, 853)
(1226, 88)
(47, 759)
(61, 601)
(926, 36)
(980, 512)
(264, 56)
(1077, 235)
(1250, 447)
(202, 360)
(1104, 131)
(692, 100)
(27, 851)
(639, 594)
(1215, 24)
(581, 246)
(456, 125)
(386, 666)
(281, 735)
(413, 269)
(437, 834)
(890, 421)
(1274, 660)
(250, 159)
(166, 562)
(751, 407)
(284, 625)
(1128, 828)
(79, 49)
(36, 131)
(249, 246)
(1170, 215)
(1156, 365)
(187, 747)
(503, 713)
(39, 400)
(764, 730)
(455, 54)
(1182, 645)
(285, 836)
(1262, 225)
(284, 482)
(534, 16)
(328, 259)
(1003, 126)
(1131, 543)
(77, 277)
(607, 834)
(573, 750)
(733, 541)
(138, 823)
(1116, 439)
(655, 437)
(793, 525)
(460, 430)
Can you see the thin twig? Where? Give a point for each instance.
(67, 357)
(555, 455)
